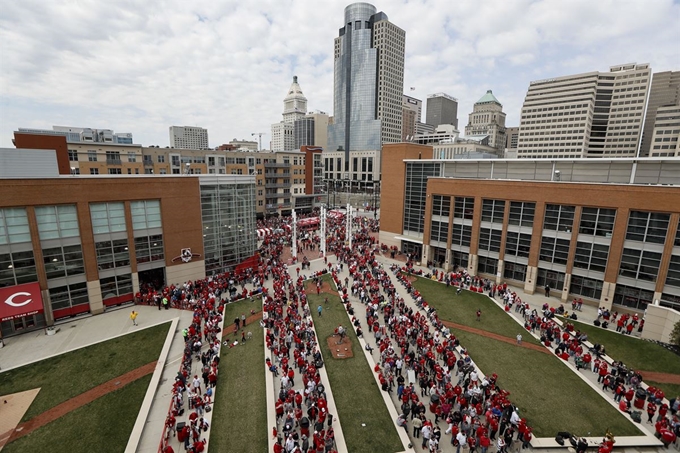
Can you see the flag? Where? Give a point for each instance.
(413, 88)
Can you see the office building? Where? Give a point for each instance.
(85, 244)
(487, 118)
(604, 230)
(368, 81)
(442, 133)
(311, 130)
(442, 109)
(412, 113)
(84, 134)
(666, 132)
(511, 137)
(294, 108)
(664, 94)
(595, 114)
(363, 168)
(244, 144)
(188, 137)
(473, 147)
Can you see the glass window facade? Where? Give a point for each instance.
(228, 215)
(554, 279)
(149, 248)
(17, 268)
(112, 254)
(459, 258)
(493, 210)
(68, 296)
(647, 227)
(677, 236)
(55, 222)
(522, 213)
(591, 256)
(597, 221)
(490, 239)
(486, 265)
(146, 214)
(554, 250)
(559, 217)
(518, 244)
(461, 235)
(116, 286)
(464, 208)
(108, 217)
(515, 271)
(441, 205)
(415, 193)
(439, 231)
(585, 287)
(673, 276)
(670, 301)
(64, 261)
(14, 226)
(629, 296)
(640, 264)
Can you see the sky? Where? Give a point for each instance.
(141, 66)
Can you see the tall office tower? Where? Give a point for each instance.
(595, 114)
(663, 93)
(487, 118)
(311, 130)
(188, 137)
(368, 81)
(294, 108)
(411, 114)
(511, 136)
(441, 109)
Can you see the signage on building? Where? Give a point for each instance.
(411, 101)
(185, 256)
(20, 300)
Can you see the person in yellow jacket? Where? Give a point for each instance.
(133, 316)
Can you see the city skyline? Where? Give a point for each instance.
(224, 67)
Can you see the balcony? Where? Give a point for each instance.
(276, 186)
(276, 165)
(114, 162)
(273, 195)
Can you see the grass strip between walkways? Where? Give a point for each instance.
(102, 426)
(65, 376)
(549, 395)
(240, 409)
(355, 391)
(462, 309)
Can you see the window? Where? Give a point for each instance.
(461, 234)
(554, 279)
(493, 210)
(92, 156)
(73, 155)
(147, 159)
(490, 239)
(464, 208)
(116, 286)
(57, 221)
(17, 268)
(459, 259)
(677, 236)
(441, 205)
(113, 158)
(673, 276)
(132, 156)
(670, 301)
(439, 231)
(68, 296)
(112, 254)
(554, 250)
(586, 287)
(115, 171)
(14, 226)
(94, 171)
(160, 158)
(518, 244)
(107, 217)
(632, 297)
(414, 195)
(522, 213)
(597, 221)
(149, 248)
(515, 271)
(639, 264)
(647, 227)
(64, 261)
(145, 214)
(486, 265)
(591, 256)
(559, 217)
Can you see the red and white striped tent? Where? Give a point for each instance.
(335, 214)
(309, 222)
(264, 232)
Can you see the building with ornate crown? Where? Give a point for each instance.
(294, 108)
(487, 118)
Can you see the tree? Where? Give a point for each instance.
(675, 334)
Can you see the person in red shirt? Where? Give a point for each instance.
(527, 438)
(484, 443)
(651, 410)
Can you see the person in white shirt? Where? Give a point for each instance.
(461, 440)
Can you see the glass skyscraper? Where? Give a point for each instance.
(368, 81)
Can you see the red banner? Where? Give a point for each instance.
(20, 300)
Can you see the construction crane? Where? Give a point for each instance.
(259, 137)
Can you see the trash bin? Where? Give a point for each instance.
(640, 398)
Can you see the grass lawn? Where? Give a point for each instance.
(671, 390)
(356, 394)
(635, 353)
(462, 309)
(68, 375)
(103, 426)
(549, 395)
(240, 409)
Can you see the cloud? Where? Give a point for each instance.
(143, 66)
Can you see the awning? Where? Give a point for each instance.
(406, 238)
(20, 300)
(336, 214)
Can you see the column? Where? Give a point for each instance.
(294, 245)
